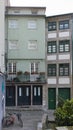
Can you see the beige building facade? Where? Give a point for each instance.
(58, 59)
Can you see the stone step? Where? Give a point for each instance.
(30, 120)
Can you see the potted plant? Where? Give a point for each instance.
(26, 73)
(19, 73)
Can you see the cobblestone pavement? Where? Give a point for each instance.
(30, 120)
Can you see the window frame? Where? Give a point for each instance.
(63, 47)
(51, 26)
(13, 44)
(52, 68)
(13, 23)
(63, 24)
(34, 68)
(32, 45)
(12, 68)
(50, 47)
(64, 69)
(32, 24)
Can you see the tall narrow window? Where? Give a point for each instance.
(12, 68)
(34, 67)
(35, 92)
(20, 92)
(39, 92)
(27, 91)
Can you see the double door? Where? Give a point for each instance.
(28, 95)
(24, 95)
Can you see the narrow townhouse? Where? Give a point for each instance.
(59, 58)
(25, 56)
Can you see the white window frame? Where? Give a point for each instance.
(35, 67)
(32, 24)
(12, 70)
(32, 44)
(13, 23)
(13, 45)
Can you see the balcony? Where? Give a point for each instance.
(27, 77)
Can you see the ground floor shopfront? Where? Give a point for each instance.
(24, 94)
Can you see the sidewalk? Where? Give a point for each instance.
(30, 119)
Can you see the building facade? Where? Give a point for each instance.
(25, 56)
(59, 58)
(39, 63)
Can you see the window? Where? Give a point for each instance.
(64, 24)
(64, 46)
(12, 68)
(32, 44)
(34, 68)
(51, 70)
(13, 23)
(51, 26)
(32, 24)
(51, 47)
(64, 69)
(13, 44)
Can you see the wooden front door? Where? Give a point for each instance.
(51, 98)
(24, 95)
(37, 95)
(64, 93)
(10, 95)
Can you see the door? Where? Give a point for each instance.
(64, 93)
(10, 95)
(24, 95)
(51, 98)
(37, 95)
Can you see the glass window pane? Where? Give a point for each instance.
(35, 91)
(64, 69)
(20, 92)
(38, 91)
(51, 70)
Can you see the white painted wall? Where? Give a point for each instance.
(64, 57)
(64, 34)
(51, 81)
(52, 35)
(2, 55)
(51, 57)
(2, 37)
(64, 80)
